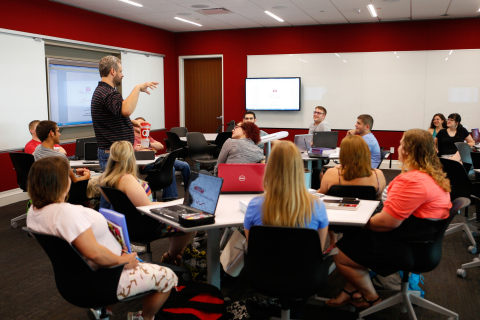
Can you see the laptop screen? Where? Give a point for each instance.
(325, 139)
(303, 142)
(91, 151)
(203, 192)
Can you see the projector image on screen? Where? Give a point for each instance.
(272, 94)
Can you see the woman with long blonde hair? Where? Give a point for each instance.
(417, 199)
(286, 201)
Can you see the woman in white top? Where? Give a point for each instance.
(88, 232)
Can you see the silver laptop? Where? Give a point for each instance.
(303, 142)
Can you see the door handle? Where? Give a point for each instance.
(220, 118)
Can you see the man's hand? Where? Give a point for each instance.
(144, 86)
(351, 132)
(136, 123)
(131, 259)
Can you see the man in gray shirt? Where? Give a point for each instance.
(250, 116)
(319, 123)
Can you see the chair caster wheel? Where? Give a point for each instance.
(472, 249)
(461, 273)
(14, 224)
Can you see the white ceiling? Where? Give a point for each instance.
(250, 13)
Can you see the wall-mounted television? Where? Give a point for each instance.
(70, 88)
(272, 94)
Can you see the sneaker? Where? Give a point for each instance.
(135, 315)
(137, 249)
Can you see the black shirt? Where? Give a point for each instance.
(446, 144)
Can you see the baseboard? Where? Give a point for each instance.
(12, 196)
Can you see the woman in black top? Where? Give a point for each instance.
(446, 138)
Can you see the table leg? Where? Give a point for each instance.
(308, 177)
(213, 257)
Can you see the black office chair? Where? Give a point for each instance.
(476, 164)
(219, 141)
(76, 281)
(287, 279)
(176, 144)
(465, 155)
(78, 192)
(423, 256)
(462, 187)
(383, 155)
(361, 192)
(22, 162)
(180, 131)
(161, 175)
(230, 126)
(141, 228)
(199, 150)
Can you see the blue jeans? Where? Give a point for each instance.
(171, 192)
(102, 158)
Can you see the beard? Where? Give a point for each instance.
(117, 81)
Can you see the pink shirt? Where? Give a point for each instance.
(416, 193)
(138, 140)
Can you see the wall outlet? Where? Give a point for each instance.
(392, 150)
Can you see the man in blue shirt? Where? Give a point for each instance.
(363, 128)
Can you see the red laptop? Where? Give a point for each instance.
(242, 177)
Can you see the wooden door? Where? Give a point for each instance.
(203, 94)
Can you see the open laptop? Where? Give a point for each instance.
(145, 155)
(303, 142)
(242, 177)
(80, 147)
(325, 139)
(201, 197)
(90, 152)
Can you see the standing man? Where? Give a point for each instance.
(35, 142)
(363, 128)
(110, 113)
(250, 116)
(319, 123)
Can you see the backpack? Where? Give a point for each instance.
(193, 301)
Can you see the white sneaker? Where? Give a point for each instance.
(135, 315)
(137, 249)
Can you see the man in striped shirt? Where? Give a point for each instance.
(110, 113)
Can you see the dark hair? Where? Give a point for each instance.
(250, 112)
(441, 116)
(47, 181)
(322, 108)
(43, 129)
(366, 119)
(106, 64)
(251, 131)
(457, 118)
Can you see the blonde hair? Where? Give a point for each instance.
(419, 153)
(287, 201)
(355, 158)
(120, 162)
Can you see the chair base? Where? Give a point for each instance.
(407, 299)
(475, 263)
(13, 222)
(469, 231)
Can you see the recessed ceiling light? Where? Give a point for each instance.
(200, 6)
(197, 24)
(274, 16)
(132, 3)
(373, 13)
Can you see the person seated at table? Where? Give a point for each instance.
(121, 174)
(446, 138)
(35, 142)
(438, 123)
(242, 147)
(170, 192)
(286, 201)
(87, 230)
(417, 198)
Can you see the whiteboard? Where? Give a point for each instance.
(401, 90)
(139, 68)
(23, 86)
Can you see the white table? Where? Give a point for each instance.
(210, 137)
(228, 214)
(81, 164)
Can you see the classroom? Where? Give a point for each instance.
(241, 52)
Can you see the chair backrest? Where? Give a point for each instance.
(161, 175)
(427, 255)
(180, 131)
(76, 281)
(220, 140)
(475, 159)
(361, 192)
(271, 272)
(383, 155)
(22, 162)
(459, 181)
(230, 126)
(176, 143)
(78, 192)
(141, 228)
(80, 147)
(465, 150)
(197, 145)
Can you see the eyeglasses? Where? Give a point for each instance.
(316, 112)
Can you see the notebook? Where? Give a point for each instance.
(117, 223)
(201, 197)
(303, 142)
(242, 177)
(91, 152)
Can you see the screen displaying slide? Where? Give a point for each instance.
(70, 93)
(271, 94)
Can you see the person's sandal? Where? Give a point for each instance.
(167, 258)
(369, 302)
(331, 304)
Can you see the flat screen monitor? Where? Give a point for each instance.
(70, 88)
(272, 94)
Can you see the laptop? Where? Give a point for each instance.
(242, 177)
(201, 197)
(90, 153)
(145, 155)
(80, 147)
(325, 139)
(303, 142)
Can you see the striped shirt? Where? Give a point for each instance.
(239, 151)
(108, 122)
